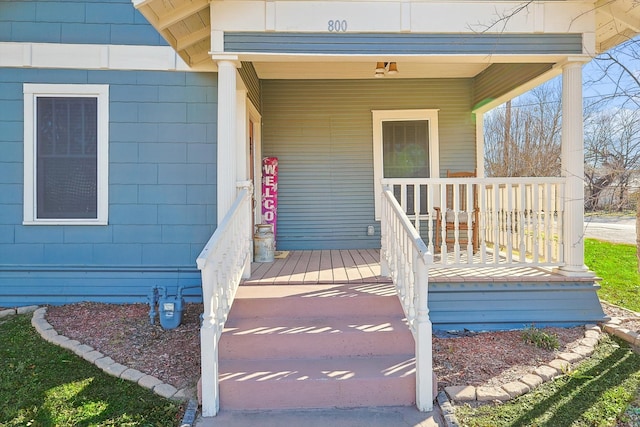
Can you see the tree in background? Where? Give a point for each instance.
(612, 158)
(522, 137)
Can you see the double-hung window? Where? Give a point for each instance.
(405, 145)
(66, 137)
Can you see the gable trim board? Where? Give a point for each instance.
(94, 57)
(403, 44)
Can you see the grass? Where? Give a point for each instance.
(44, 385)
(540, 338)
(595, 394)
(617, 265)
(599, 391)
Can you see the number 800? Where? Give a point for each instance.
(337, 26)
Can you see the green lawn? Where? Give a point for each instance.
(617, 265)
(44, 385)
(595, 394)
(602, 387)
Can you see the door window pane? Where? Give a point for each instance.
(405, 149)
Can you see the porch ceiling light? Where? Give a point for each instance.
(383, 68)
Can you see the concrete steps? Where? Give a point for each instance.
(316, 347)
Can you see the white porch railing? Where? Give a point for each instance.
(405, 258)
(223, 262)
(486, 221)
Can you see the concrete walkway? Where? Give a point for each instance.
(402, 416)
(615, 229)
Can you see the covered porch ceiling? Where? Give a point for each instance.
(186, 25)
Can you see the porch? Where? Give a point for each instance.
(483, 297)
(321, 267)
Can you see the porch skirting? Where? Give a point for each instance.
(455, 306)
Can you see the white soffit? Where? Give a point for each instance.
(363, 70)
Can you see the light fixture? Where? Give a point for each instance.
(383, 68)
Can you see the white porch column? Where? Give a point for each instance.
(242, 126)
(227, 134)
(479, 145)
(573, 169)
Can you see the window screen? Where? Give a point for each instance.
(66, 162)
(405, 149)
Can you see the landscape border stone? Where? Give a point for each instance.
(88, 353)
(526, 383)
(505, 392)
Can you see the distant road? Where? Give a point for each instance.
(612, 229)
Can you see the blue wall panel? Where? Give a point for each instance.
(104, 22)
(62, 287)
(501, 306)
(77, 33)
(157, 223)
(406, 44)
(88, 234)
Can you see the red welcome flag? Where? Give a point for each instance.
(270, 192)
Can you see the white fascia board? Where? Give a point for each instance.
(459, 17)
(95, 57)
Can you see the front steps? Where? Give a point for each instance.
(316, 346)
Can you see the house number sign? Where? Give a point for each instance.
(337, 26)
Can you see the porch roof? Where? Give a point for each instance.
(187, 27)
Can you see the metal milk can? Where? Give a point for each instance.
(264, 245)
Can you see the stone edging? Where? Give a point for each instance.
(540, 375)
(88, 353)
(614, 327)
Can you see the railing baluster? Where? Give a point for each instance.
(483, 217)
(410, 276)
(522, 245)
(509, 224)
(443, 220)
(561, 219)
(221, 264)
(469, 193)
(548, 220)
(430, 217)
(456, 221)
(504, 215)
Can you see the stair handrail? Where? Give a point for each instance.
(406, 259)
(224, 261)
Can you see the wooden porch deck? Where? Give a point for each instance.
(363, 266)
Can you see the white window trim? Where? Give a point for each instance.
(31, 93)
(380, 116)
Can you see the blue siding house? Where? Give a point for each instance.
(132, 134)
(127, 126)
(156, 160)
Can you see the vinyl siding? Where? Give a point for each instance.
(499, 79)
(498, 306)
(252, 82)
(321, 131)
(83, 22)
(403, 44)
(162, 192)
